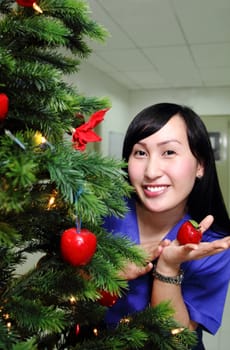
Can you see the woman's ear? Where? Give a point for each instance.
(200, 171)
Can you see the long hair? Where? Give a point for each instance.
(206, 196)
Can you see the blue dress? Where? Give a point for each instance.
(204, 287)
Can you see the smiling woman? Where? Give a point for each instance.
(171, 166)
(163, 170)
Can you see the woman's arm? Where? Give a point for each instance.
(168, 265)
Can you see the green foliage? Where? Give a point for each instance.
(8, 236)
(40, 306)
(158, 324)
(36, 51)
(147, 330)
(27, 345)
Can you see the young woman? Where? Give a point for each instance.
(172, 169)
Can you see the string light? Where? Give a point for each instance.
(37, 138)
(176, 331)
(8, 325)
(95, 332)
(41, 141)
(125, 320)
(6, 316)
(15, 139)
(45, 143)
(51, 204)
(37, 8)
(72, 300)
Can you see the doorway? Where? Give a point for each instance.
(219, 131)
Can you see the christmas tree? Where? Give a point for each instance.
(54, 194)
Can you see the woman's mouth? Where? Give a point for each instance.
(154, 190)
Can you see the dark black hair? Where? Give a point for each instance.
(205, 197)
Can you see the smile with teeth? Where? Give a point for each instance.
(155, 188)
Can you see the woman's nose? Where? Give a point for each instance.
(153, 168)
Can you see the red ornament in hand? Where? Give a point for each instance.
(77, 248)
(4, 105)
(107, 299)
(189, 232)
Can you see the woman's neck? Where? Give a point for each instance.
(156, 225)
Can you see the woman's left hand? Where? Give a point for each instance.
(175, 254)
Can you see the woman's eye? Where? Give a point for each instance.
(169, 152)
(140, 153)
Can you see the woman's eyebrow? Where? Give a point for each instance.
(169, 141)
(142, 143)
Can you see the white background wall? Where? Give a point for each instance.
(125, 105)
(91, 82)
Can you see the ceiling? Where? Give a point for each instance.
(164, 43)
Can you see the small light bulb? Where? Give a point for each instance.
(95, 332)
(176, 331)
(72, 300)
(51, 203)
(125, 320)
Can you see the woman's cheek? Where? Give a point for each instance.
(133, 170)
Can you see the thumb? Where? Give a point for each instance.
(206, 223)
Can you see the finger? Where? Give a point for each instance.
(190, 246)
(143, 270)
(206, 223)
(156, 253)
(149, 267)
(165, 243)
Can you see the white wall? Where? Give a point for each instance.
(126, 104)
(205, 101)
(90, 82)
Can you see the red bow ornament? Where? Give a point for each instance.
(84, 133)
(4, 105)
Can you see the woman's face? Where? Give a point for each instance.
(162, 168)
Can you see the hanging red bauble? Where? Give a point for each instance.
(29, 3)
(77, 329)
(4, 105)
(25, 3)
(107, 299)
(78, 248)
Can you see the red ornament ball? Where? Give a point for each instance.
(4, 106)
(77, 329)
(26, 3)
(78, 248)
(189, 232)
(107, 299)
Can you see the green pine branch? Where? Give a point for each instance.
(34, 316)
